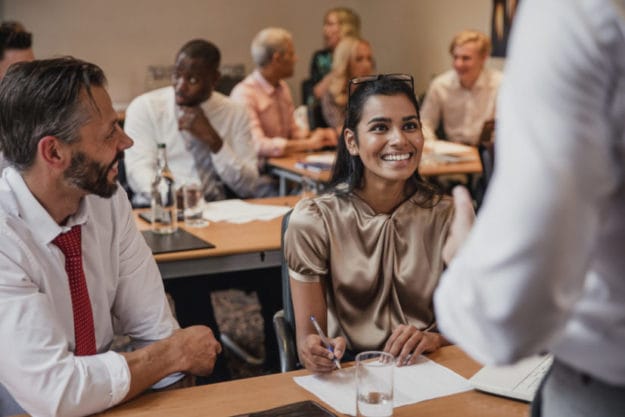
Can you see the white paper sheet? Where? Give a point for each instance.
(444, 147)
(323, 158)
(423, 381)
(238, 211)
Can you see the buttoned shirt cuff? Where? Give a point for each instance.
(273, 147)
(119, 375)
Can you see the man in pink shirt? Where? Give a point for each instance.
(269, 100)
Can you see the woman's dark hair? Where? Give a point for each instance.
(14, 36)
(348, 170)
(43, 98)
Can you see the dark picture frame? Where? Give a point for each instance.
(501, 24)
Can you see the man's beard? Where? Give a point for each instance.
(90, 175)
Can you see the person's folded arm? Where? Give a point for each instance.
(237, 162)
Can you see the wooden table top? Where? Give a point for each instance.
(231, 238)
(429, 166)
(260, 393)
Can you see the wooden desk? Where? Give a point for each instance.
(238, 247)
(285, 167)
(255, 394)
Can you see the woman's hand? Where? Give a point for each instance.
(316, 357)
(406, 343)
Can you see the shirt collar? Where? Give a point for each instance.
(42, 226)
(481, 80)
(480, 83)
(264, 84)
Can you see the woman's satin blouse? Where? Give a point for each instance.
(379, 270)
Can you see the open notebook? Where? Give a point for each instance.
(519, 381)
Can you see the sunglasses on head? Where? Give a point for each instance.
(354, 83)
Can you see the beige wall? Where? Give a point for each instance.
(125, 36)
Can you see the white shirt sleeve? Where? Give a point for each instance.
(512, 287)
(140, 159)
(430, 112)
(236, 162)
(35, 357)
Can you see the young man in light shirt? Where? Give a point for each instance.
(464, 97)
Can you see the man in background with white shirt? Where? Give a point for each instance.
(543, 268)
(75, 269)
(207, 135)
(208, 139)
(463, 98)
(15, 46)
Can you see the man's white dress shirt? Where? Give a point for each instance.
(37, 364)
(462, 110)
(152, 118)
(544, 266)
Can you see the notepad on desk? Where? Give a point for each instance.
(317, 162)
(423, 381)
(180, 240)
(519, 381)
(239, 211)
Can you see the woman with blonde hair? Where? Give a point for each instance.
(352, 58)
(338, 23)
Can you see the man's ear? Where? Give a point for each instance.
(277, 57)
(350, 142)
(54, 152)
(216, 78)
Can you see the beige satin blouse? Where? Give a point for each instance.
(380, 269)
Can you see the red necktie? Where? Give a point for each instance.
(84, 331)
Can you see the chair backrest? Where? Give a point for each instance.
(284, 320)
(287, 303)
(486, 150)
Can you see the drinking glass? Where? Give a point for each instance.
(374, 384)
(193, 207)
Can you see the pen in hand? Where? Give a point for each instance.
(325, 340)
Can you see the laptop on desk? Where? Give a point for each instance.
(519, 381)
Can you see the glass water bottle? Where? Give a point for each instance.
(163, 199)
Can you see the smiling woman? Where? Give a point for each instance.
(365, 258)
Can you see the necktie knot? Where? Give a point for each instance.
(69, 242)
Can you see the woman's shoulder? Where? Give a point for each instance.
(322, 205)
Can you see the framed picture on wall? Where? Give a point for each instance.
(501, 23)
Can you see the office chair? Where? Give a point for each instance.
(284, 320)
(313, 106)
(486, 151)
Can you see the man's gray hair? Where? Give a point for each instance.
(267, 42)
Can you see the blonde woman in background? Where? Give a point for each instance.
(338, 23)
(352, 58)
